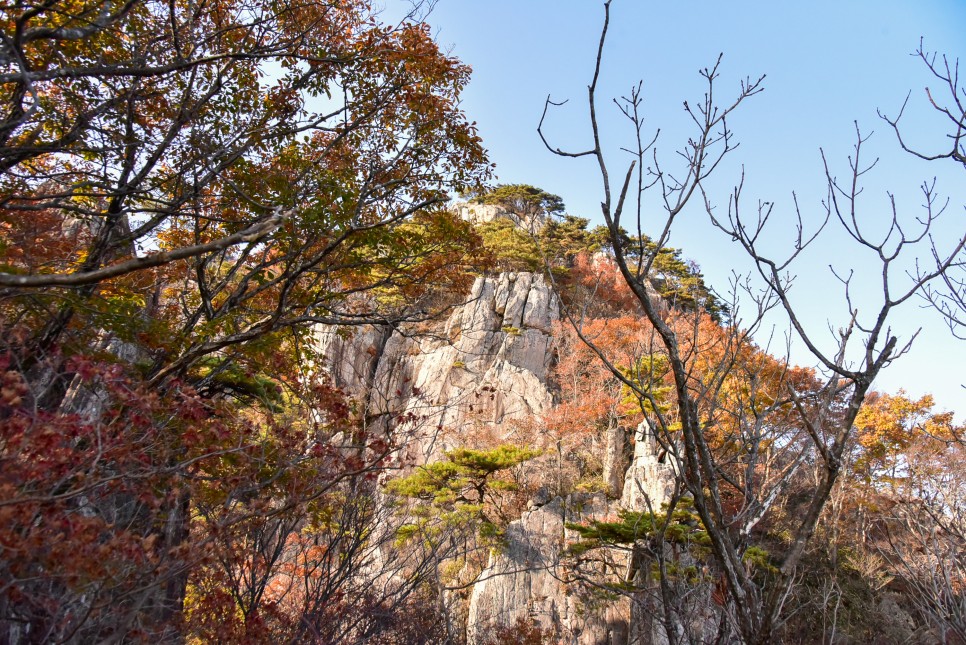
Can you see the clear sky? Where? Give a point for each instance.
(827, 66)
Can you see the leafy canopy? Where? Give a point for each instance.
(186, 188)
(455, 491)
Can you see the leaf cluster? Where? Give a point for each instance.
(683, 527)
(457, 488)
(522, 199)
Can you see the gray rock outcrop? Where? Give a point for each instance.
(484, 370)
(649, 481)
(486, 367)
(482, 213)
(529, 579)
(617, 458)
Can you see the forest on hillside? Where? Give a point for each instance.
(282, 362)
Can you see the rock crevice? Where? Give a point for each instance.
(488, 367)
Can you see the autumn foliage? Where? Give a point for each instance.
(185, 189)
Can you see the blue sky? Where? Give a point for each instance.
(827, 65)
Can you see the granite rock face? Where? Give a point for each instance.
(650, 478)
(527, 579)
(350, 357)
(482, 213)
(487, 366)
(617, 458)
(648, 485)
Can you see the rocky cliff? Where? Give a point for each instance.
(482, 213)
(485, 368)
(530, 577)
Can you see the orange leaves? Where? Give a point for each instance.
(591, 396)
(169, 406)
(49, 241)
(94, 502)
(897, 419)
(892, 430)
(62, 476)
(599, 276)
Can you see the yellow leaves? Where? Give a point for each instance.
(892, 431)
(894, 420)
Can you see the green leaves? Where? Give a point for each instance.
(463, 474)
(523, 199)
(512, 247)
(683, 528)
(456, 491)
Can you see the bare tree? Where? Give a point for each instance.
(949, 296)
(926, 545)
(818, 415)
